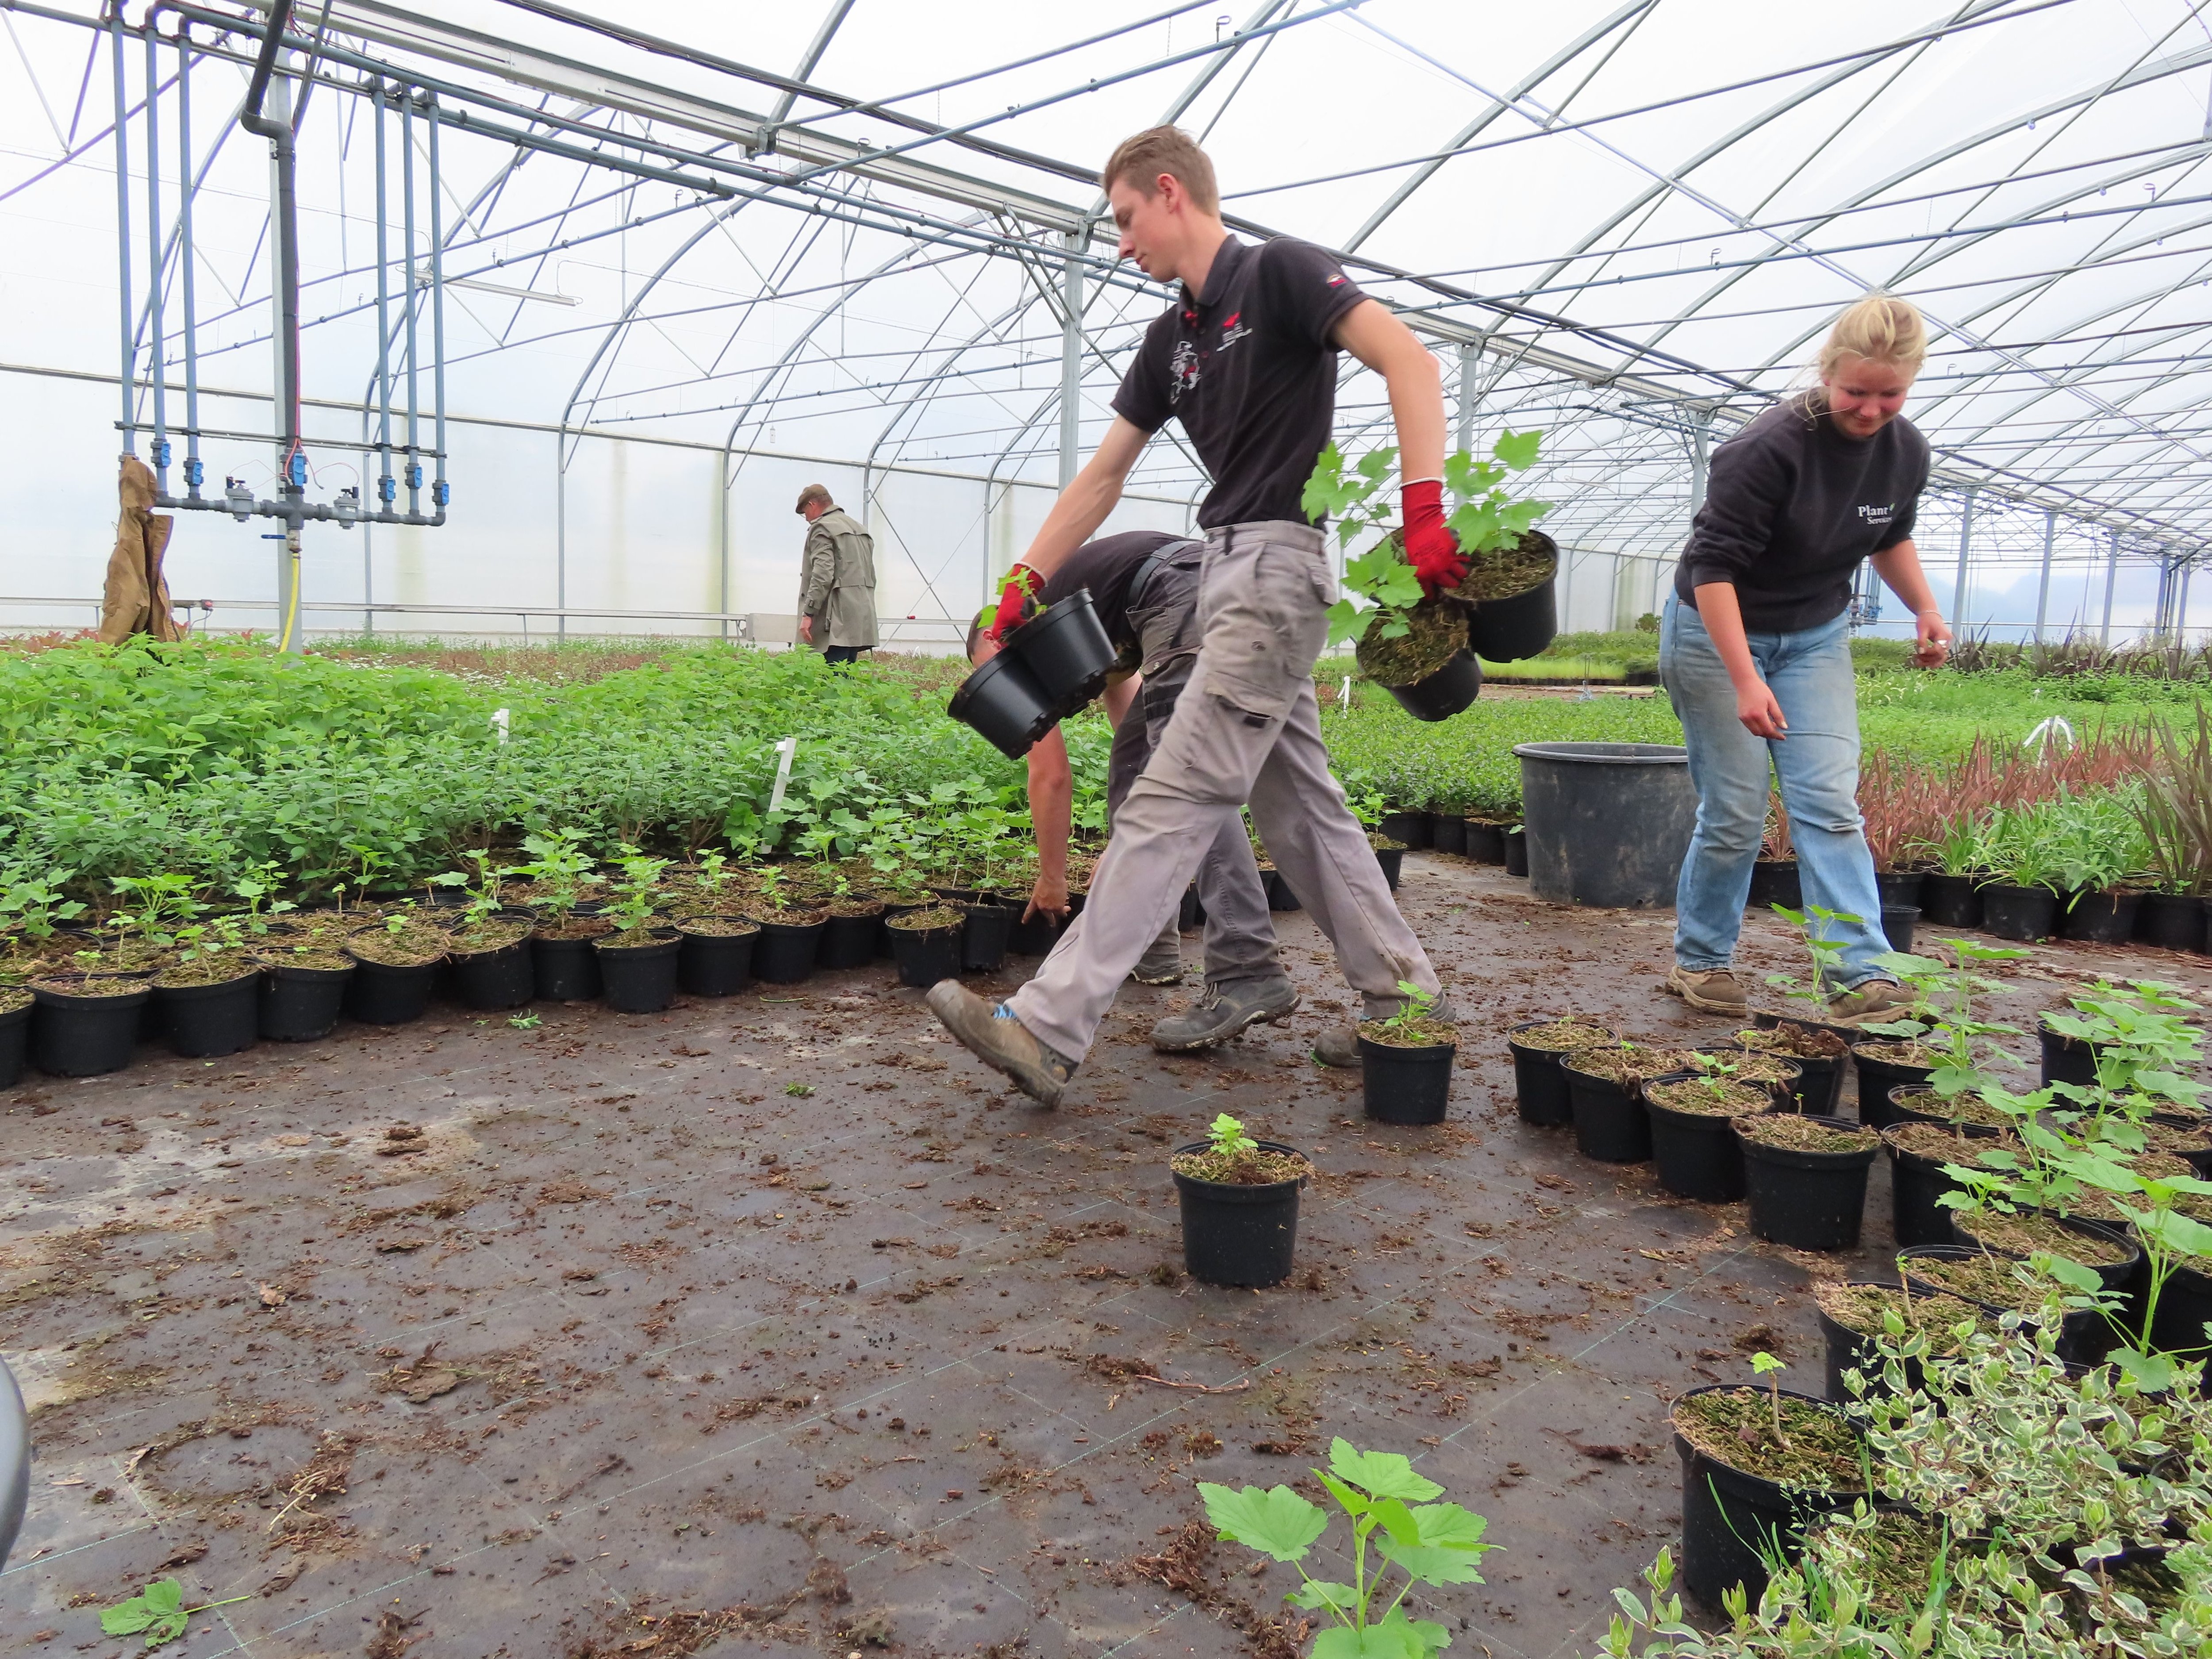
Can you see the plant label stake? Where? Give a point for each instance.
(1344, 697)
(498, 725)
(787, 748)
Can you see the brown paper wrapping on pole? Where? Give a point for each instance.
(138, 593)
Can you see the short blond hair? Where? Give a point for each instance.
(1880, 328)
(1138, 161)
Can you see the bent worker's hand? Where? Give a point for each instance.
(1013, 598)
(1431, 548)
(1761, 715)
(1048, 897)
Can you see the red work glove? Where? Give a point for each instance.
(1431, 548)
(1013, 598)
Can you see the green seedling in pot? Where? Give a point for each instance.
(2144, 1048)
(2169, 1238)
(560, 866)
(158, 1611)
(1431, 1543)
(161, 903)
(1942, 1015)
(256, 889)
(772, 888)
(1419, 1005)
(1812, 924)
(634, 889)
(714, 874)
(1714, 1074)
(1226, 1136)
(1766, 1366)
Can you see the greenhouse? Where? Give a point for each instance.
(1344, 829)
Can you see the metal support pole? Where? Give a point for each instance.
(439, 491)
(2043, 587)
(123, 230)
(187, 186)
(2161, 612)
(1469, 356)
(387, 489)
(1965, 545)
(2111, 576)
(414, 479)
(1071, 361)
(268, 114)
(561, 529)
(1701, 433)
(156, 348)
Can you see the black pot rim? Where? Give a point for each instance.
(663, 938)
(208, 988)
(1685, 1450)
(1794, 1157)
(1236, 1193)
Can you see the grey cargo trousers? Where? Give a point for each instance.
(1239, 936)
(1246, 729)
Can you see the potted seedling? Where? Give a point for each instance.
(1806, 1177)
(396, 962)
(85, 1019)
(303, 987)
(1605, 1093)
(1812, 924)
(715, 956)
(1419, 648)
(1939, 1041)
(207, 999)
(926, 944)
(1537, 1047)
(790, 932)
(565, 967)
(1693, 1142)
(491, 947)
(1239, 1198)
(1925, 1164)
(1431, 1543)
(1758, 1464)
(1406, 1060)
(637, 961)
(1819, 1054)
(1854, 1317)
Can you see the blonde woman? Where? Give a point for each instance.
(1754, 650)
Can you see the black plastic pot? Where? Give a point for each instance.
(382, 993)
(2116, 1276)
(1391, 861)
(1003, 703)
(1775, 881)
(1876, 1079)
(489, 981)
(850, 941)
(300, 1004)
(1899, 887)
(2175, 921)
(1847, 1351)
(1239, 1235)
(203, 1022)
(15, 1044)
(1696, 1154)
(565, 969)
(1406, 1085)
(2065, 1060)
(1732, 1521)
(926, 955)
(1410, 826)
(1510, 629)
(983, 938)
(75, 1035)
(1486, 842)
(1610, 1122)
(714, 965)
(2081, 1335)
(1067, 652)
(784, 951)
(1280, 895)
(1950, 901)
(1190, 914)
(1916, 1183)
(1539, 1087)
(1448, 832)
(1608, 823)
(1807, 1201)
(2184, 1304)
(1898, 923)
(1033, 938)
(642, 979)
(1448, 691)
(2024, 913)
(1517, 850)
(2106, 917)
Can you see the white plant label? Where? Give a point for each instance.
(499, 723)
(787, 748)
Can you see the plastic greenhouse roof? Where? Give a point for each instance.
(843, 232)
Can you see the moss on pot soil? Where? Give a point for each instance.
(1436, 633)
(1795, 1042)
(205, 970)
(1565, 1035)
(1382, 843)
(1863, 1309)
(14, 997)
(418, 943)
(2033, 1235)
(1735, 1426)
(928, 920)
(1260, 1168)
(1506, 571)
(1798, 1132)
(496, 934)
(1730, 1099)
(1413, 1034)
(1754, 1068)
(1626, 1065)
(1900, 1053)
(719, 926)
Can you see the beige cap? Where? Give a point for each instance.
(813, 493)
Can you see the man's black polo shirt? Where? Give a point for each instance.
(1250, 372)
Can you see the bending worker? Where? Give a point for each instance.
(1144, 585)
(1246, 360)
(1754, 650)
(837, 597)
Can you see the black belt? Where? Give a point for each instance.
(1167, 554)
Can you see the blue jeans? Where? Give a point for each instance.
(1809, 672)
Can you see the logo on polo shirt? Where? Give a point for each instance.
(1877, 515)
(1233, 328)
(1182, 370)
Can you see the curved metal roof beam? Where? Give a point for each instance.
(937, 375)
(1467, 134)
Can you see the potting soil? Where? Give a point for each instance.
(1800, 1133)
(1435, 633)
(1258, 1168)
(1900, 1053)
(1561, 1035)
(928, 920)
(1960, 1109)
(1732, 1099)
(1993, 1281)
(1943, 1144)
(1864, 1310)
(2041, 1235)
(1632, 1065)
(719, 926)
(1795, 1042)
(1816, 1449)
(1411, 1034)
(1501, 573)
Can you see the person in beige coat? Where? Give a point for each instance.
(837, 600)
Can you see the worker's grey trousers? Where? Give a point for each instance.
(1246, 728)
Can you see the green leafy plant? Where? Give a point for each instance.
(32, 905)
(158, 1611)
(484, 896)
(634, 889)
(1766, 1366)
(1430, 1543)
(1942, 1015)
(1226, 1136)
(1419, 1006)
(529, 1021)
(1812, 926)
(560, 866)
(798, 1090)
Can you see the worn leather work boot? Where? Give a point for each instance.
(1162, 965)
(1871, 1000)
(1716, 991)
(1339, 1045)
(991, 1033)
(1224, 1010)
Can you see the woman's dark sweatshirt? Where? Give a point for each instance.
(1791, 507)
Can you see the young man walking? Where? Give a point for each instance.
(837, 597)
(1144, 585)
(1246, 360)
